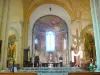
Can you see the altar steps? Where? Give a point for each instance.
(52, 71)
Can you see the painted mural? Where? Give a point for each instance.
(50, 22)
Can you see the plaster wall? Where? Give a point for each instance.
(1, 13)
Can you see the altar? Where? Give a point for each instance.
(50, 64)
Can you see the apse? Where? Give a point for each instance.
(50, 26)
(50, 32)
(39, 19)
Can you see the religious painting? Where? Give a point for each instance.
(11, 48)
(89, 46)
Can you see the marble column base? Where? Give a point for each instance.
(97, 70)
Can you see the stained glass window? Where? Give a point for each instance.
(64, 44)
(50, 41)
(36, 41)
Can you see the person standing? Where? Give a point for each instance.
(36, 61)
(61, 61)
(56, 61)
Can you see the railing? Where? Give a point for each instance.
(84, 73)
(11, 73)
(51, 71)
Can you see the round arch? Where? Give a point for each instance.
(11, 30)
(90, 26)
(34, 5)
(48, 23)
(44, 10)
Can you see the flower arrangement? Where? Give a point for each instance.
(92, 67)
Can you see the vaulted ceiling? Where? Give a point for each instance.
(78, 9)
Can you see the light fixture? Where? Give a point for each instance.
(50, 9)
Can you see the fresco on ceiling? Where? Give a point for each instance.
(50, 22)
(11, 48)
(89, 45)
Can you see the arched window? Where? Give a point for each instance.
(64, 44)
(50, 41)
(36, 41)
(36, 44)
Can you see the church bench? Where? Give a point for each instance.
(84, 73)
(17, 73)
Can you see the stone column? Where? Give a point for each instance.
(95, 10)
(26, 34)
(24, 38)
(22, 42)
(67, 57)
(18, 52)
(2, 2)
(4, 33)
(68, 45)
(66, 50)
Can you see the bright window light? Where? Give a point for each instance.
(50, 41)
(36, 41)
(64, 44)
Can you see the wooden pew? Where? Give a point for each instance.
(17, 73)
(84, 73)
